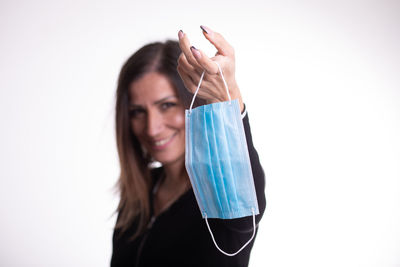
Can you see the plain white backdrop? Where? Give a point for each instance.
(321, 80)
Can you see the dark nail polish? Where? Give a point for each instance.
(180, 34)
(204, 30)
(192, 47)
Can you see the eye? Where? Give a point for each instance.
(136, 112)
(167, 105)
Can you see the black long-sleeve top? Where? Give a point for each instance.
(179, 235)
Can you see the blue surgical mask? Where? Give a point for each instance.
(218, 163)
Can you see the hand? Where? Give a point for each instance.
(192, 62)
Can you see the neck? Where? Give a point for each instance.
(175, 173)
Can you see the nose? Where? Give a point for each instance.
(155, 123)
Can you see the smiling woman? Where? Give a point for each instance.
(159, 222)
(150, 93)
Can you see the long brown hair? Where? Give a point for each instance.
(135, 181)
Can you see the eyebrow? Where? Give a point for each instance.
(156, 102)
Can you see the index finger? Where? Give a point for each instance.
(208, 65)
(184, 44)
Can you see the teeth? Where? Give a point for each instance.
(162, 142)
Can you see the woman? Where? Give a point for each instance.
(159, 222)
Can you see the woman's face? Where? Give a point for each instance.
(158, 117)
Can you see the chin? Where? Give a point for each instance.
(169, 160)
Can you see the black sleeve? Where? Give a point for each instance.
(258, 172)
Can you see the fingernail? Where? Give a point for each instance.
(203, 28)
(206, 29)
(180, 34)
(195, 52)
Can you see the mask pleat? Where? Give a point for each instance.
(226, 164)
(216, 184)
(230, 130)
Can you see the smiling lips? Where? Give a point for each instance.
(163, 143)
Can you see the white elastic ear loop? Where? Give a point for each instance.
(223, 79)
(201, 79)
(233, 254)
(195, 93)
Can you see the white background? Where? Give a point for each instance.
(322, 86)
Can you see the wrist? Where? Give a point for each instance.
(235, 94)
